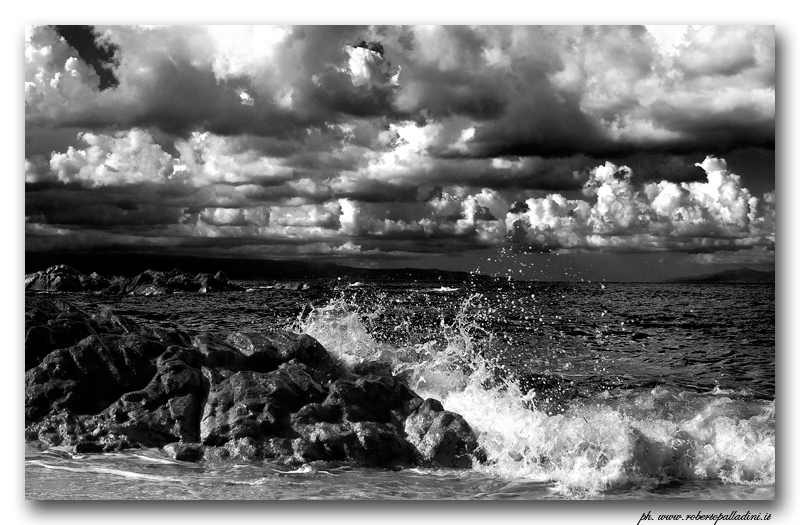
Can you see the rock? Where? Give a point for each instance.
(59, 278)
(192, 452)
(217, 352)
(266, 351)
(378, 368)
(441, 437)
(258, 352)
(367, 443)
(255, 404)
(167, 409)
(326, 442)
(39, 310)
(40, 341)
(171, 336)
(316, 413)
(51, 325)
(93, 282)
(245, 448)
(87, 377)
(116, 286)
(380, 445)
(63, 278)
(56, 428)
(277, 448)
(152, 282)
(88, 447)
(215, 455)
(248, 396)
(372, 398)
(210, 283)
(110, 323)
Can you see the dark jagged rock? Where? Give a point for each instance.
(62, 278)
(210, 283)
(245, 448)
(93, 282)
(59, 278)
(184, 451)
(152, 282)
(88, 377)
(167, 409)
(266, 352)
(50, 325)
(253, 404)
(372, 398)
(274, 396)
(217, 352)
(378, 368)
(110, 322)
(441, 437)
(368, 443)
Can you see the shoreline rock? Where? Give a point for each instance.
(63, 278)
(100, 382)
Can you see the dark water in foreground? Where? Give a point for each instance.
(614, 391)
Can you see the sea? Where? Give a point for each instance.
(576, 390)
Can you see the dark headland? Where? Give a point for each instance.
(742, 275)
(129, 265)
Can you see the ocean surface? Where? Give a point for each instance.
(576, 390)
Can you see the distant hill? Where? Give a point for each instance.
(742, 275)
(129, 265)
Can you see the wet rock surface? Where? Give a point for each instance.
(100, 382)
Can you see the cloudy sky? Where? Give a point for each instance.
(539, 151)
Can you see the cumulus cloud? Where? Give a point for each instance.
(124, 158)
(718, 214)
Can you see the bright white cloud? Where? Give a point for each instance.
(112, 160)
(716, 214)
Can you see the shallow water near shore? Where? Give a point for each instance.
(576, 390)
(145, 475)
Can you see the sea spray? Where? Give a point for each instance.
(593, 443)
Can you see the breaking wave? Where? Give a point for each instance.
(538, 427)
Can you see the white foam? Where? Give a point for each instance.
(102, 470)
(593, 445)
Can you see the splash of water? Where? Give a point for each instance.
(594, 444)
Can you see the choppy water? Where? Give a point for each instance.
(576, 390)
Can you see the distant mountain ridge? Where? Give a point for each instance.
(129, 265)
(742, 275)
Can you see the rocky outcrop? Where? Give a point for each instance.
(442, 437)
(151, 282)
(62, 278)
(101, 382)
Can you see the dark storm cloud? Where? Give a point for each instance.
(340, 141)
(101, 56)
(532, 91)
